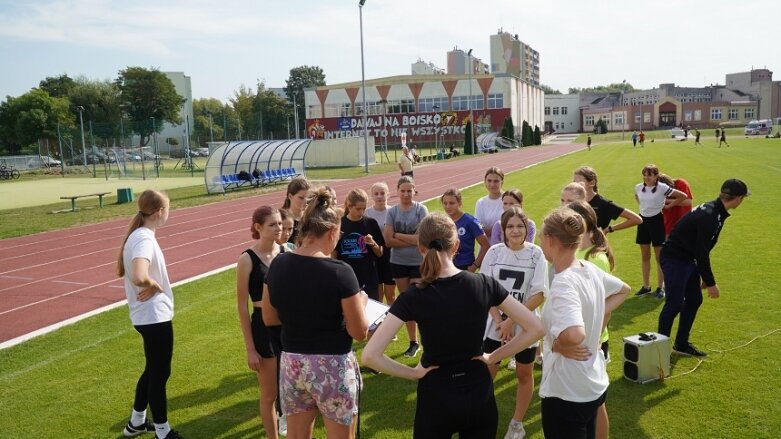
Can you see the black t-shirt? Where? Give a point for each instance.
(605, 209)
(294, 233)
(352, 249)
(307, 293)
(451, 314)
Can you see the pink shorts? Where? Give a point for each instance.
(327, 383)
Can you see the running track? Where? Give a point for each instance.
(48, 278)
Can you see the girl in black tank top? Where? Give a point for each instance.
(263, 344)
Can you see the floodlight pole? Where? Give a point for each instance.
(83, 145)
(295, 112)
(211, 131)
(363, 86)
(469, 102)
(623, 122)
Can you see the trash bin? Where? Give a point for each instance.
(440, 155)
(124, 195)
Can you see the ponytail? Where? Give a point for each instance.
(135, 223)
(149, 203)
(598, 239)
(436, 232)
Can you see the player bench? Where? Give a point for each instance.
(73, 198)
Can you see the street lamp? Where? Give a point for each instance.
(295, 111)
(436, 145)
(469, 104)
(363, 86)
(83, 146)
(623, 122)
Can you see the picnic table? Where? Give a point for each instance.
(73, 198)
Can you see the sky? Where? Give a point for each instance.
(223, 45)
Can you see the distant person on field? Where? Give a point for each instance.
(723, 138)
(634, 139)
(697, 137)
(588, 142)
(405, 162)
(718, 134)
(642, 139)
(414, 153)
(151, 302)
(686, 263)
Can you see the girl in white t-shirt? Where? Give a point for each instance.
(151, 302)
(574, 377)
(521, 269)
(379, 211)
(489, 208)
(651, 195)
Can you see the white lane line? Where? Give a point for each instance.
(17, 277)
(72, 320)
(70, 282)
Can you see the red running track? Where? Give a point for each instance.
(50, 277)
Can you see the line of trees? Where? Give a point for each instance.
(137, 103)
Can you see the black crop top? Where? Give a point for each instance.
(257, 276)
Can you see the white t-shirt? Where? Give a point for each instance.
(576, 298)
(378, 215)
(523, 273)
(160, 308)
(652, 202)
(488, 211)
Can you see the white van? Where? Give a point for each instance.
(758, 127)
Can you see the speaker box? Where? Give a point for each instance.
(646, 357)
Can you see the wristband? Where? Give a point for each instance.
(610, 229)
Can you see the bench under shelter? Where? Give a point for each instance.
(231, 165)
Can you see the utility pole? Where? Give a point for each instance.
(363, 86)
(469, 104)
(81, 121)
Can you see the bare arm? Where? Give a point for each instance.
(484, 245)
(139, 276)
(632, 220)
(398, 240)
(374, 353)
(532, 330)
(243, 269)
(354, 315)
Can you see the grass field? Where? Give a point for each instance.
(79, 381)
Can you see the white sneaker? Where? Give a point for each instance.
(515, 430)
(511, 364)
(282, 425)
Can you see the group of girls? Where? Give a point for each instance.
(358, 252)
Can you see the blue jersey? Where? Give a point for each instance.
(468, 230)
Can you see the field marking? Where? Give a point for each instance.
(17, 277)
(94, 312)
(70, 282)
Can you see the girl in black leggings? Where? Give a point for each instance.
(151, 303)
(455, 391)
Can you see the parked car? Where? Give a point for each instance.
(202, 152)
(43, 161)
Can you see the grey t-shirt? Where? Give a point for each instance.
(406, 221)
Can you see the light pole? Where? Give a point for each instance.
(469, 104)
(436, 145)
(156, 151)
(211, 131)
(623, 122)
(363, 86)
(295, 112)
(83, 146)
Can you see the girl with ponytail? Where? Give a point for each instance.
(450, 306)
(151, 302)
(574, 378)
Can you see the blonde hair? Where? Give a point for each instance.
(452, 192)
(149, 202)
(576, 189)
(565, 225)
(320, 216)
(436, 232)
(381, 185)
(354, 197)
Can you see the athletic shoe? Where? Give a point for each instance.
(511, 364)
(413, 349)
(135, 430)
(395, 338)
(689, 350)
(643, 291)
(282, 425)
(515, 430)
(171, 435)
(659, 293)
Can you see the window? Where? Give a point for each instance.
(496, 101)
(462, 103)
(563, 111)
(637, 117)
(426, 105)
(618, 119)
(715, 113)
(687, 116)
(555, 111)
(400, 106)
(477, 102)
(314, 111)
(733, 113)
(589, 120)
(647, 117)
(372, 107)
(748, 113)
(697, 114)
(332, 110)
(547, 111)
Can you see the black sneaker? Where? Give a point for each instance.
(413, 349)
(171, 435)
(643, 291)
(659, 293)
(689, 350)
(135, 430)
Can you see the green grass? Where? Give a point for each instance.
(707, 135)
(80, 379)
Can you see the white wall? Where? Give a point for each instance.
(347, 151)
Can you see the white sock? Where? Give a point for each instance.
(161, 430)
(137, 418)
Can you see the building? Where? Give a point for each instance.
(513, 56)
(430, 109)
(562, 113)
(421, 67)
(185, 90)
(759, 84)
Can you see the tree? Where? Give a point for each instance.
(210, 114)
(32, 116)
(618, 87)
(242, 102)
(537, 135)
(100, 102)
(274, 113)
(526, 134)
(147, 94)
(299, 79)
(468, 139)
(549, 91)
(58, 86)
(601, 126)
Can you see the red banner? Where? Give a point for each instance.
(417, 125)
